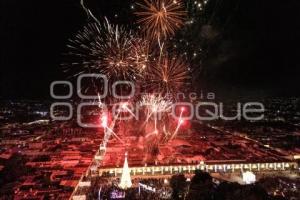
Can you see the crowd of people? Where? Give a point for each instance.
(146, 189)
(200, 187)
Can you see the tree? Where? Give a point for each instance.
(201, 186)
(178, 184)
(201, 177)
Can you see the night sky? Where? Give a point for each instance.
(258, 39)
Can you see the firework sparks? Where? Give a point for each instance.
(156, 105)
(161, 18)
(169, 74)
(109, 50)
(88, 12)
(179, 124)
(104, 121)
(123, 53)
(120, 54)
(109, 128)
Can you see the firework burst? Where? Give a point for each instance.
(124, 54)
(157, 107)
(168, 74)
(156, 103)
(161, 18)
(109, 50)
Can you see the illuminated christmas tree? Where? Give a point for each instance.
(125, 182)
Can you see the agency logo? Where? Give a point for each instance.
(133, 106)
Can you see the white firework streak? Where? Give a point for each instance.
(180, 121)
(155, 105)
(108, 130)
(88, 11)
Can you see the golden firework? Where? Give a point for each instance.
(161, 18)
(124, 55)
(109, 49)
(169, 74)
